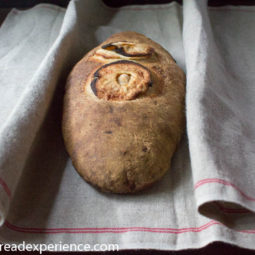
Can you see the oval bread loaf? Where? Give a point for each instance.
(123, 113)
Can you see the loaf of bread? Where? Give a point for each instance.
(123, 113)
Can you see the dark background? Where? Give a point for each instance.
(211, 249)
(115, 3)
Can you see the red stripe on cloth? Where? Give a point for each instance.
(117, 230)
(126, 228)
(109, 230)
(226, 183)
(5, 187)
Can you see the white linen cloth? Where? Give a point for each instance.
(208, 195)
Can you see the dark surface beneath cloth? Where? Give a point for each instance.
(211, 249)
(115, 3)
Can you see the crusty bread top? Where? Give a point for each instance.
(128, 66)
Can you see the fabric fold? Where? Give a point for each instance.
(30, 106)
(220, 133)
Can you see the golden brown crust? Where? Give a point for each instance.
(126, 145)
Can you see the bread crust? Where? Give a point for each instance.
(124, 146)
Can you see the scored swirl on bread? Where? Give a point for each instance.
(124, 50)
(124, 113)
(120, 80)
(122, 77)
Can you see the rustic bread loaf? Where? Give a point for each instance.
(123, 113)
